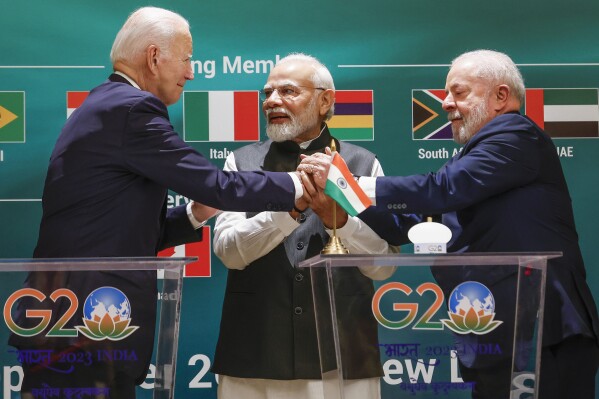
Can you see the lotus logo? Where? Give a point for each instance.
(106, 315)
(471, 309)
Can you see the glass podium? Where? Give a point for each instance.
(430, 318)
(87, 328)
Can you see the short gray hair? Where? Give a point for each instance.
(321, 77)
(144, 27)
(498, 68)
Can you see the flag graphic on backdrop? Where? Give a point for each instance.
(342, 187)
(221, 116)
(200, 249)
(74, 100)
(354, 115)
(12, 116)
(564, 113)
(429, 121)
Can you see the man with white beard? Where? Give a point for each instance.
(267, 345)
(504, 192)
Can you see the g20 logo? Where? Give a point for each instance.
(106, 314)
(44, 315)
(471, 308)
(411, 309)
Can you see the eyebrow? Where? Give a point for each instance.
(454, 86)
(283, 83)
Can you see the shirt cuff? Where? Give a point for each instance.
(299, 189)
(368, 184)
(194, 222)
(348, 229)
(284, 222)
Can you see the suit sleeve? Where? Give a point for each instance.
(493, 165)
(153, 149)
(177, 229)
(239, 240)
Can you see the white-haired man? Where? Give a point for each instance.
(105, 196)
(504, 192)
(267, 345)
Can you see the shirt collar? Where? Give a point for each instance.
(128, 79)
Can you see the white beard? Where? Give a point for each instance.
(470, 125)
(306, 120)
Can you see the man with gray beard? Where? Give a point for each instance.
(268, 346)
(504, 192)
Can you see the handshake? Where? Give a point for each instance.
(317, 167)
(313, 172)
(325, 199)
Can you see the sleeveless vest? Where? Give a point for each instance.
(268, 327)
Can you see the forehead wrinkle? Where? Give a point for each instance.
(279, 83)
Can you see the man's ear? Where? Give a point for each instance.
(152, 53)
(327, 99)
(502, 95)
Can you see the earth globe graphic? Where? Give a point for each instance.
(471, 294)
(105, 300)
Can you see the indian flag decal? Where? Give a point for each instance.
(342, 187)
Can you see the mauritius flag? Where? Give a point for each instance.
(200, 249)
(342, 187)
(429, 120)
(564, 113)
(221, 116)
(354, 115)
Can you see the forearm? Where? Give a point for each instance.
(238, 241)
(359, 238)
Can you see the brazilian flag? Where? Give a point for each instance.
(12, 116)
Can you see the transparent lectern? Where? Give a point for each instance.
(77, 326)
(433, 315)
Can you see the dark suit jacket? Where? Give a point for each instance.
(506, 192)
(110, 170)
(105, 196)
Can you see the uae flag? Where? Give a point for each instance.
(74, 100)
(342, 187)
(564, 113)
(429, 120)
(221, 116)
(200, 249)
(354, 115)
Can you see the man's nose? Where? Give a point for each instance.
(448, 104)
(274, 99)
(189, 73)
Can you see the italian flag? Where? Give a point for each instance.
(221, 116)
(342, 187)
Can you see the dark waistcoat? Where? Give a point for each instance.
(268, 327)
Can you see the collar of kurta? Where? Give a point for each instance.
(284, 156)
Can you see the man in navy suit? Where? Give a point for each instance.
(504, 192)
(106, 189)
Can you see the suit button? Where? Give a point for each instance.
(302, 218)
(300, 246)
(299, 277)
(298, 310)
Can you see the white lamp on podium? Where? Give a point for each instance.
(429, 237)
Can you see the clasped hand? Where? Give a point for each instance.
(313, 171)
